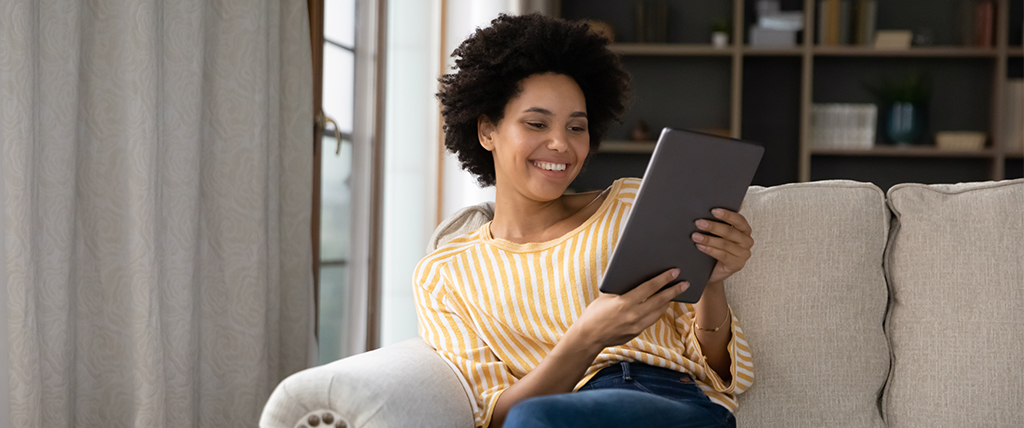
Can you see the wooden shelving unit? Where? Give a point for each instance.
(640, 147)
(670, 49)
(752, 51)
(810, 66)
(914, 52)
(906, 151)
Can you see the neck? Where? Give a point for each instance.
(519, 219)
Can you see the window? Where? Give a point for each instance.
(339, 57)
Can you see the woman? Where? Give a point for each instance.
(515, 306)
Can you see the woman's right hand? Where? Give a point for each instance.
(612, 320)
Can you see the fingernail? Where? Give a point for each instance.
(703, 224)
(684, 285)
(675, 273)
(718, 212)
(701, 247)
(697, 237)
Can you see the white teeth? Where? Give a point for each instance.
(550, 166)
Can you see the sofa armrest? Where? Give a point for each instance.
(401, 385)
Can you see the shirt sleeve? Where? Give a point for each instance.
(446, 326)
(741, 366)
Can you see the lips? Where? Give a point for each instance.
(550, 166)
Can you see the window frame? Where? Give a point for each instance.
(367, 139)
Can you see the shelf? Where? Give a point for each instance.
(638, 147)
(766, 94)
(681, 49)
(905, 151)
(920, 52)
(669, 49)
(752, 51)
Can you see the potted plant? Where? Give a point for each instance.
(904, 106)
(720, 33)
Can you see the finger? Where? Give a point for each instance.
(735, 219)
(652, 315)
(665, 296)
(726, 231)
(651, 286)
(728, 261)
(722, 244)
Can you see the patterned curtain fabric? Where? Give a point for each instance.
(155, 176)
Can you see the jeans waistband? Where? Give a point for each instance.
(627, 369)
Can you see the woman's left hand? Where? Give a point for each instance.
(730, 245)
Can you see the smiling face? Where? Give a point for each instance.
(541, 142)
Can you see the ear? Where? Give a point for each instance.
(484, 130)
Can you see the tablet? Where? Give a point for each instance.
(689, 175)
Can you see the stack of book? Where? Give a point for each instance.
(846, 22)
(977, 22)
(1013, 122)
(651, 20)
(843, 126)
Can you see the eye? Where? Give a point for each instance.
(578, 128)
(537, 125)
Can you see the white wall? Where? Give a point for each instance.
(410, 158)
(462, 18)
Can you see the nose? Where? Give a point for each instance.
(559, 141)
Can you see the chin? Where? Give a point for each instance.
(551, 191)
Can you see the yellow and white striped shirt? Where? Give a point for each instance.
(494, 309)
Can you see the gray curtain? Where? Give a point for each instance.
(155, 176)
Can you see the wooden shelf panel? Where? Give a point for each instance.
(637, 147)
(920, 52)
(684, 49)
(669, 49)
(752, 51)
(1014, 155)
(905, 151)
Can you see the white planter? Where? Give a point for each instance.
(720, 39)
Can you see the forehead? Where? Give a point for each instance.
(551, 91)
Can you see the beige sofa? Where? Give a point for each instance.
(863, 309)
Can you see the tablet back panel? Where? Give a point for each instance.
(689, 174)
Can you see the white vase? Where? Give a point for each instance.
(720, 39)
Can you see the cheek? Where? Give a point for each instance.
(583, 147)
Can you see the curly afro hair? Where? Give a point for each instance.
(492, 62)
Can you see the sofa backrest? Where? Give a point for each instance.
(956, 324)
(812, 300)
(462, 222)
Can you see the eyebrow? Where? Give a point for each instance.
(547, 112)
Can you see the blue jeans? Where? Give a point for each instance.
(625, 395)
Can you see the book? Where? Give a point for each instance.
(823, 13)
(1013, 116)
(984, 14)
(846, 22)
(864, 26)
(845, 19)
(833, 22)
(828, 22)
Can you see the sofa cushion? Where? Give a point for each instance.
(812, 301)
(956, 271)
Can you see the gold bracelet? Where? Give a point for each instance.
(728, 316)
